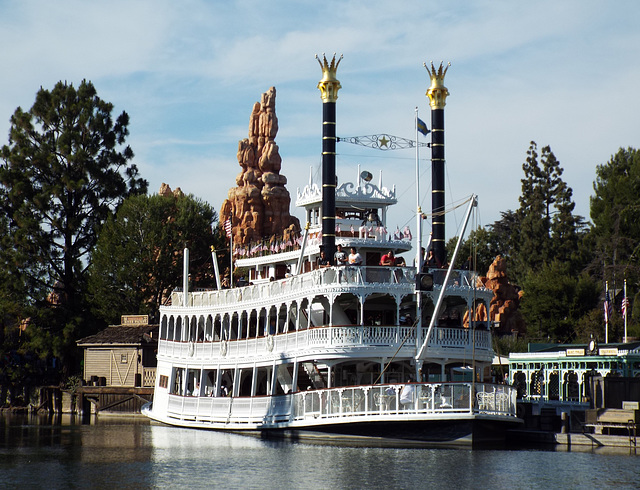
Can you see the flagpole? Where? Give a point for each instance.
(418, 208)
(418, 259)
(606, 312)
(231, 260)
(626, 311)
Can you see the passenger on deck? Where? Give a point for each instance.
(406, 395)
(224, 391)
(340, 257)
(323, 261)
(432, 262)
(354, 257)
(388, 259)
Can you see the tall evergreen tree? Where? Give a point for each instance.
(547, 229)
(65, 170)
(615, 208)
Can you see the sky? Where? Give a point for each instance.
(564, 74)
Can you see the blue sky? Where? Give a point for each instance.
(564, 74)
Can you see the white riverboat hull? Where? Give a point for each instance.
(440, 414)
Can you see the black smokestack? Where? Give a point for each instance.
(437, 94)
(329, 86)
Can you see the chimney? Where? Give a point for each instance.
(437, 94)
(329, 86)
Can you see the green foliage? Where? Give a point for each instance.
(615, 208)
(509, 343)
(64, 171)
(555, 301)
(138, 257)
(484, 244)
(547, 229)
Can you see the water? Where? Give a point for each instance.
(131, 453)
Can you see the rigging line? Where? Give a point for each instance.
(404, 340)
(448, 210)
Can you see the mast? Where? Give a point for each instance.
(437, 94)
(329, 86)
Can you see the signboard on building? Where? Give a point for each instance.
(133, 320)
(575, 352)
(609, 351)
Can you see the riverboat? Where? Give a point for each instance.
(361, 353)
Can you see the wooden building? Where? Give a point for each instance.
(121, 355)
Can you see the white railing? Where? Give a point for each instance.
(353, 337)
(392, 401)
(303, 283)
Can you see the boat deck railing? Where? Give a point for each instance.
(347, 339)
(346, 404)
(373, 277)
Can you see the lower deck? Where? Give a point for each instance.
(425, 412)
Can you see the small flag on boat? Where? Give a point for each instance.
(422, 127)
(227, 228)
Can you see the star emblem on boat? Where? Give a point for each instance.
(384, 141)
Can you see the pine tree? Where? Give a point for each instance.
(547, 229)
(64, 172)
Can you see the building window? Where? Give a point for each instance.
(123, 358)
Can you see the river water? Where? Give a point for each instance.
(121, 452)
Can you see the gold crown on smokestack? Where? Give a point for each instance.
(329, 85)
(437, 92)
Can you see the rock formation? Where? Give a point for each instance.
(505, 302)
(166, 191)
(259, 205)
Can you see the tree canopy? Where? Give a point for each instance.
(64, 172)
(615, 208)
(138, 258)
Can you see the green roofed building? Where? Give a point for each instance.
(564, 374)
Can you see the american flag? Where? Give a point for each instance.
(608, 307)
(625, 307)
(227, 228)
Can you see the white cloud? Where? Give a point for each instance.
(560, 73)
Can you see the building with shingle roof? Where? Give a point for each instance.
(121, 355)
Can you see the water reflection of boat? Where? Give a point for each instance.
(367, 354)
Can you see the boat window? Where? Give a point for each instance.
(177, 386)
(208, 335)
(178, 333)
(193, 383)
(200, 329)
(163, 328)
(210, 382)
(193, 326)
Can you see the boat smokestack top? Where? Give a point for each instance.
(437, 94)
(329, 86)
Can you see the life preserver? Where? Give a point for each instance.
(223, 348)
(270, 342)
(192, 348)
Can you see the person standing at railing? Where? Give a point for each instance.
(323, 261)
(406, 394)
(340, 257)
(354, 257)
(388, 259)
